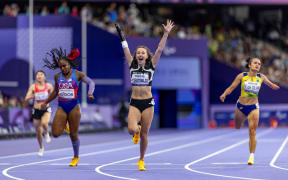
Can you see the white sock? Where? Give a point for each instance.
(252, 155)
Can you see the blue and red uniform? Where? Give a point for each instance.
(68, 91)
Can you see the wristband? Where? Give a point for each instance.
(124, 44)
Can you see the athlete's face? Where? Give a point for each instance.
(141, 56)
(255, 64)
(40, 77)
(64, 66)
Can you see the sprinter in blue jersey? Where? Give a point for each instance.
(66, 88)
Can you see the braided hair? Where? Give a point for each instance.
(60, 54)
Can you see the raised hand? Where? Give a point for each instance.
(168, 27)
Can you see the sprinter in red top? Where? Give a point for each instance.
(40, 91)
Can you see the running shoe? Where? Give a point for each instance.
(141, 165)
(74, 162)
(136, 136)
(251, 160)
(41, 152)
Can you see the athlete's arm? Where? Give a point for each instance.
(30, 93)
(53, 94)
(269, 83)
(167, 28)
(124, 43)
(82, 77)
(50, 87)
(231, 88)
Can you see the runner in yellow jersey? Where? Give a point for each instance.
(247, 105)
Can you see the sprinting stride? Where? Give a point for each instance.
(247, 105)
(142, 66)
(39, 91)
(66, 88)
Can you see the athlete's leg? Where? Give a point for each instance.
(45, 121)
(146, 119)
(38, 129)
(253, 119)
(74, 122)
(134, 117)
(239, 117)
(59, 122)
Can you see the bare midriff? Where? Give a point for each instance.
(248, 100)
(141, 92)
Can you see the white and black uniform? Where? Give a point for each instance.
(141, 76)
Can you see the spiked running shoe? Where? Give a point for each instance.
(251, 161)
(141, 165)
(136, 136)
(74, 162)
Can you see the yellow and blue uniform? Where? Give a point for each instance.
(250, 87)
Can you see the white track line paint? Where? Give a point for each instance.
(5, 164)
(228, 163)
(187, 166)
(184, 136)
(272, 163)
(95, 164)
(97, 169)
(5, 171)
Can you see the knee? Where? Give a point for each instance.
(55, 134)
(133, 130)
(252, 131)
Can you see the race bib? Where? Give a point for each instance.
(41, 96)
(252, 87)
(66, 93)
(140, 79)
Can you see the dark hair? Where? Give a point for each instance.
(249, 61)
(148, 61)
(41, 72)
(57, 55)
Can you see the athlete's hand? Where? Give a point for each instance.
(43, 106)
(90, 96)
(168, 27)
(222, 98)
(275, 87)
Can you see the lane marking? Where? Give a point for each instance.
(184, 136)
(98, 169)
(228, 163)
(5, 171)
(272, 163)
(187, 166)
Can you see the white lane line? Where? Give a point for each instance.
(187, 166)
(5, 171)
(272, 163)
(98, 169)
(184, 136)
(4, 164)
(229, 163)
(95, 164)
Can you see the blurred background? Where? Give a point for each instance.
(203, 55)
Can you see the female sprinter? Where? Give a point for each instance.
(142, 66)
(66, 88)
(39, 91)
(247, 105)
